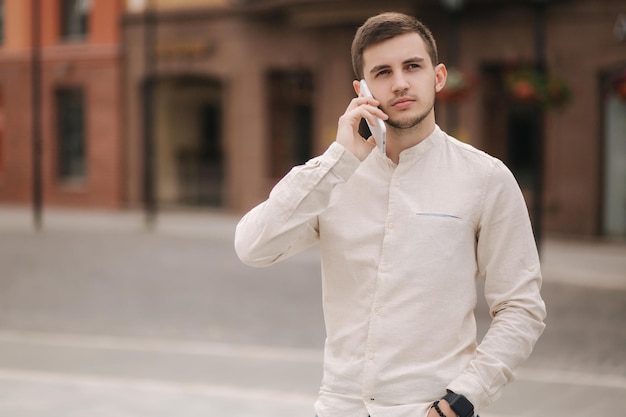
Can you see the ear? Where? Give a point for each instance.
(441, 74)
(357, 87)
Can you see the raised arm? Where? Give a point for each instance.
(286, 223)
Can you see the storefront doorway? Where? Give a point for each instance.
(190, 158)
(512, 130)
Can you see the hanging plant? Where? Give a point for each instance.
(459, 85)
(537, 88)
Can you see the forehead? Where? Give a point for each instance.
(395, 50)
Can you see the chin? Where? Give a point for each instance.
(408, 122)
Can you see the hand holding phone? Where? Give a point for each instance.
(378, 129)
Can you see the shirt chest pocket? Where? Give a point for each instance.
(434, 236)
(445, 224)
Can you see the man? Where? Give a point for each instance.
(404, 237)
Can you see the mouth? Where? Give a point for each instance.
(402, 102)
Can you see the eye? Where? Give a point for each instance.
(413, 66)
(382, 72)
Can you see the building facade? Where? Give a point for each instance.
(214, 100)
(76, 43)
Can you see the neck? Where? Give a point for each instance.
(399, 140)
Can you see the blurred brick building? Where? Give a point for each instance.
(80, 101)
(230, 94)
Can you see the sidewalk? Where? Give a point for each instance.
(184, 223)
(595, 264)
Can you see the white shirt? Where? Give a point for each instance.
(401, 248)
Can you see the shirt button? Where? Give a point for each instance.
(377, 310)
(390, 225)
(370, 356)
(531, 268)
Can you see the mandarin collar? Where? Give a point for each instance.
(423, 147)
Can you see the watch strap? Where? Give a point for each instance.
(459, 404)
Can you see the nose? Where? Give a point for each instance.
(400, 83)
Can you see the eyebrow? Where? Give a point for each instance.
(412, 60)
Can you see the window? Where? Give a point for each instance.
(74, 18)
(71, 134)
(291, 120)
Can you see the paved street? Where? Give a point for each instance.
(99, 317)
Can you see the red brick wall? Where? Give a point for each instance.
(100, 79)
(94, 65)
(579, 45)
(16, 178)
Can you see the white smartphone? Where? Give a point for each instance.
(379, 129)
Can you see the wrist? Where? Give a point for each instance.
(443, 409)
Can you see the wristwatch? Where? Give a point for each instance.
(459, 404)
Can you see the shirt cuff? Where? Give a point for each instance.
(343, 162)
(468, 386)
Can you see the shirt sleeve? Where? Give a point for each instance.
(286, 223)
(509, 263)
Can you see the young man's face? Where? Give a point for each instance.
(402, 77)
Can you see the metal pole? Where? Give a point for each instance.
(150, 205)
(37, 195)
(540, 63)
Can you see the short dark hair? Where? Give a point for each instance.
(386, 26)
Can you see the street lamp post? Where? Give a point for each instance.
(36, 114)
(538, 148)
(150, 205)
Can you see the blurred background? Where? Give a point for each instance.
(119, 117)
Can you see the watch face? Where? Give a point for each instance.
(461, 405)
